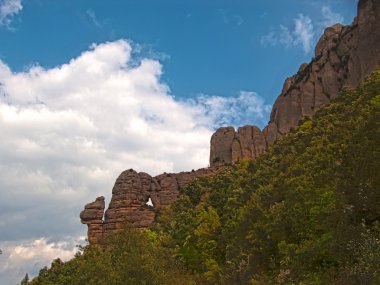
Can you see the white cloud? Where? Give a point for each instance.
(31, 256)
(8, 9)
(70, 130)
(303, 33)
(237, 111)
(329, 17)
(270, 39)
(231, 19)
(91, 14)
(286, 37)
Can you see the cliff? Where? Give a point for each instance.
(344, 55)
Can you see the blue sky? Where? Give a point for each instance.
(212, 48)
(89, 89)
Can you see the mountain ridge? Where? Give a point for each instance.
(344, 55)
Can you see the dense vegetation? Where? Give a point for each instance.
(306, 212)
(133, 257)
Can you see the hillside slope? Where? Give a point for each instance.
(305, 212)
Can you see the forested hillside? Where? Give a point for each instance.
(305, 212)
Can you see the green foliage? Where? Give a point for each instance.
(131, 257)
(25, 280)
(306, 212)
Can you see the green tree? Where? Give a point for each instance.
(25, 280)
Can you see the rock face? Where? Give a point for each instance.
(228, 146)
(344, 55)
(92, 215)
(131, 192)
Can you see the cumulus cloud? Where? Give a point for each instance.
(303, 33)
(70, 130)
(8, 9)
(32, 256)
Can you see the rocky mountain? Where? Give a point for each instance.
(344, 55)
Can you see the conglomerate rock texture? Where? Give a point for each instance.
(131, 192)
(344, 55)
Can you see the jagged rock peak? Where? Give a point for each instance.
(344, 55)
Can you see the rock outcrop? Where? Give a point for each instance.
(130, 194)
(92, 216)
(344, 55)
(228, 146)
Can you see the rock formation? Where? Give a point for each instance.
(92, 216)
(130, 195)
(228, 146)
(344, 55)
